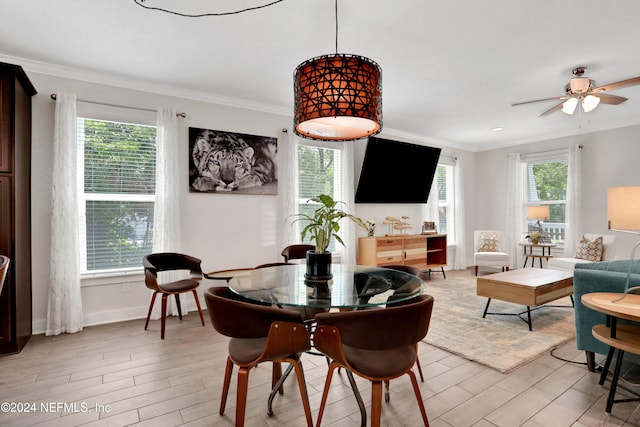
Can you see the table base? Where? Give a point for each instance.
(629, 339)
(352, 382)
(528, 311)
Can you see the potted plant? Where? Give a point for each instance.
(321, 226)
(534, 236)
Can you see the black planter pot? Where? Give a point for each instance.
(318, 266)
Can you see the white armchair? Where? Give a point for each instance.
(488, 250)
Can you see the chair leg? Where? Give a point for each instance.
(195, 297)
(325, 392)
(225, 385)
(591, 361)
(241, 395)
(276, 373)
(416, 390)
(163, 320)
(419, 369)
(476, 269)
(178, 306)
(303, 390)
(387, 395)
(153, 300)
(376, 403)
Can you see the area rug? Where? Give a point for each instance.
(500, 342)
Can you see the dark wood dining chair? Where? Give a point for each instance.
(298, 251)
(347, 339)
(258, 334)
(400, 292)
(168, 261)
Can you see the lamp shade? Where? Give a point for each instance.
(623, 208)
(569, 106)
(538, 213)
(589, 103)
(337, 98)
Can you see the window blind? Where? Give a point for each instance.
(116, 183)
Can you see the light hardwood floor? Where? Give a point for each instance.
(119, 374)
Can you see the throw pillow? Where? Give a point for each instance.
(488, 243)
(590, 250)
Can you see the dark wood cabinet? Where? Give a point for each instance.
(15, 206)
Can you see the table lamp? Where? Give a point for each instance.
(623, 214)
(538, 213)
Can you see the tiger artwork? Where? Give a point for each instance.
(223, 161)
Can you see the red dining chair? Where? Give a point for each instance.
(258, 334)
(390, 352)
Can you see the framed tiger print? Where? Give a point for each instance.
(232, 163)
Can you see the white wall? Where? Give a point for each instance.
(225, 231)
(609, 159)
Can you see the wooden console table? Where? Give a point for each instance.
(624, 337)
(425, 251)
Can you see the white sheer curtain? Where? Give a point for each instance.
(347, 195)
(460, 262)
(167, 236)
(64, 311)
(288, 188)
(430, 210)
(573, 220)
(515, 207)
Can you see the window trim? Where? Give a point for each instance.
(125, 115)
(552, 156)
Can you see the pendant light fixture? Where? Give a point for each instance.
(337, 97)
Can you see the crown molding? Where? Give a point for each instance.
(127, 82)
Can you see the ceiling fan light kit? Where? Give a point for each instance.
(581, 91)
(590, 102)
(569, 106)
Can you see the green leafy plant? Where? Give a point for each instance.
(324, 223)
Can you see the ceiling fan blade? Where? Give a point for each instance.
(556, 98)
(610, 99)
(618, 85)
(552, 109)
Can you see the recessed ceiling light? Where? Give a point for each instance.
(498, 129)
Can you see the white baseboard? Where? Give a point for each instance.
(39, 326)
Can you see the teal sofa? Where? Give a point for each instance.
(607, 276)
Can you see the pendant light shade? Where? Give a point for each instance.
(337, 97)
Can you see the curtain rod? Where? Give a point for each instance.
(183, 115)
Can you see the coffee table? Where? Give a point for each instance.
(527, 286)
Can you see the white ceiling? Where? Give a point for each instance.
(451, 69)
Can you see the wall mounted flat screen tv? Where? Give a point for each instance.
(396, 172)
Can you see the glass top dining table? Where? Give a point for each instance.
(352, 286)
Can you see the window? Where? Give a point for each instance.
(444, 184)
(116, 182)
(318, 173)
(546, 184)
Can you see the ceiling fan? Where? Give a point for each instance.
(583, 91)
